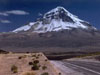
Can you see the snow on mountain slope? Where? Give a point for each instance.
(55, 20)
(24, 28)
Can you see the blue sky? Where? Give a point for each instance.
(15, 13)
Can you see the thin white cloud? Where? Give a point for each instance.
(14, 12)
(5, 21)
(3, 14)
(17, 12)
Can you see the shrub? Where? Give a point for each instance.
(35, 67)
(59, 73)
(45, 73)
(37, 57)
(33, 59)
(30, 63)
(14, 69)
(20, 57)
(33, 55)
(44, 67)
(38, 54)
(30, 73)
(46, 60)
(36, 61)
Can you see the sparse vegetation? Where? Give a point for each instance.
(33, 59)
(35, 67)
(24, 56)
(59, 73)
(44, 67)
(25, 64)
(14, 69)
(20, 57)
(30, 63)
(36, 61)
(45, 73)
(37, 57)
(34, 55)
(30, 73)
(46, 60)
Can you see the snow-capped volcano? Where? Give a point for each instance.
(56, 20)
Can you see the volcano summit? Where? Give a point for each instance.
(56, 20)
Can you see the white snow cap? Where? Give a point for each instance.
(55, 20)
